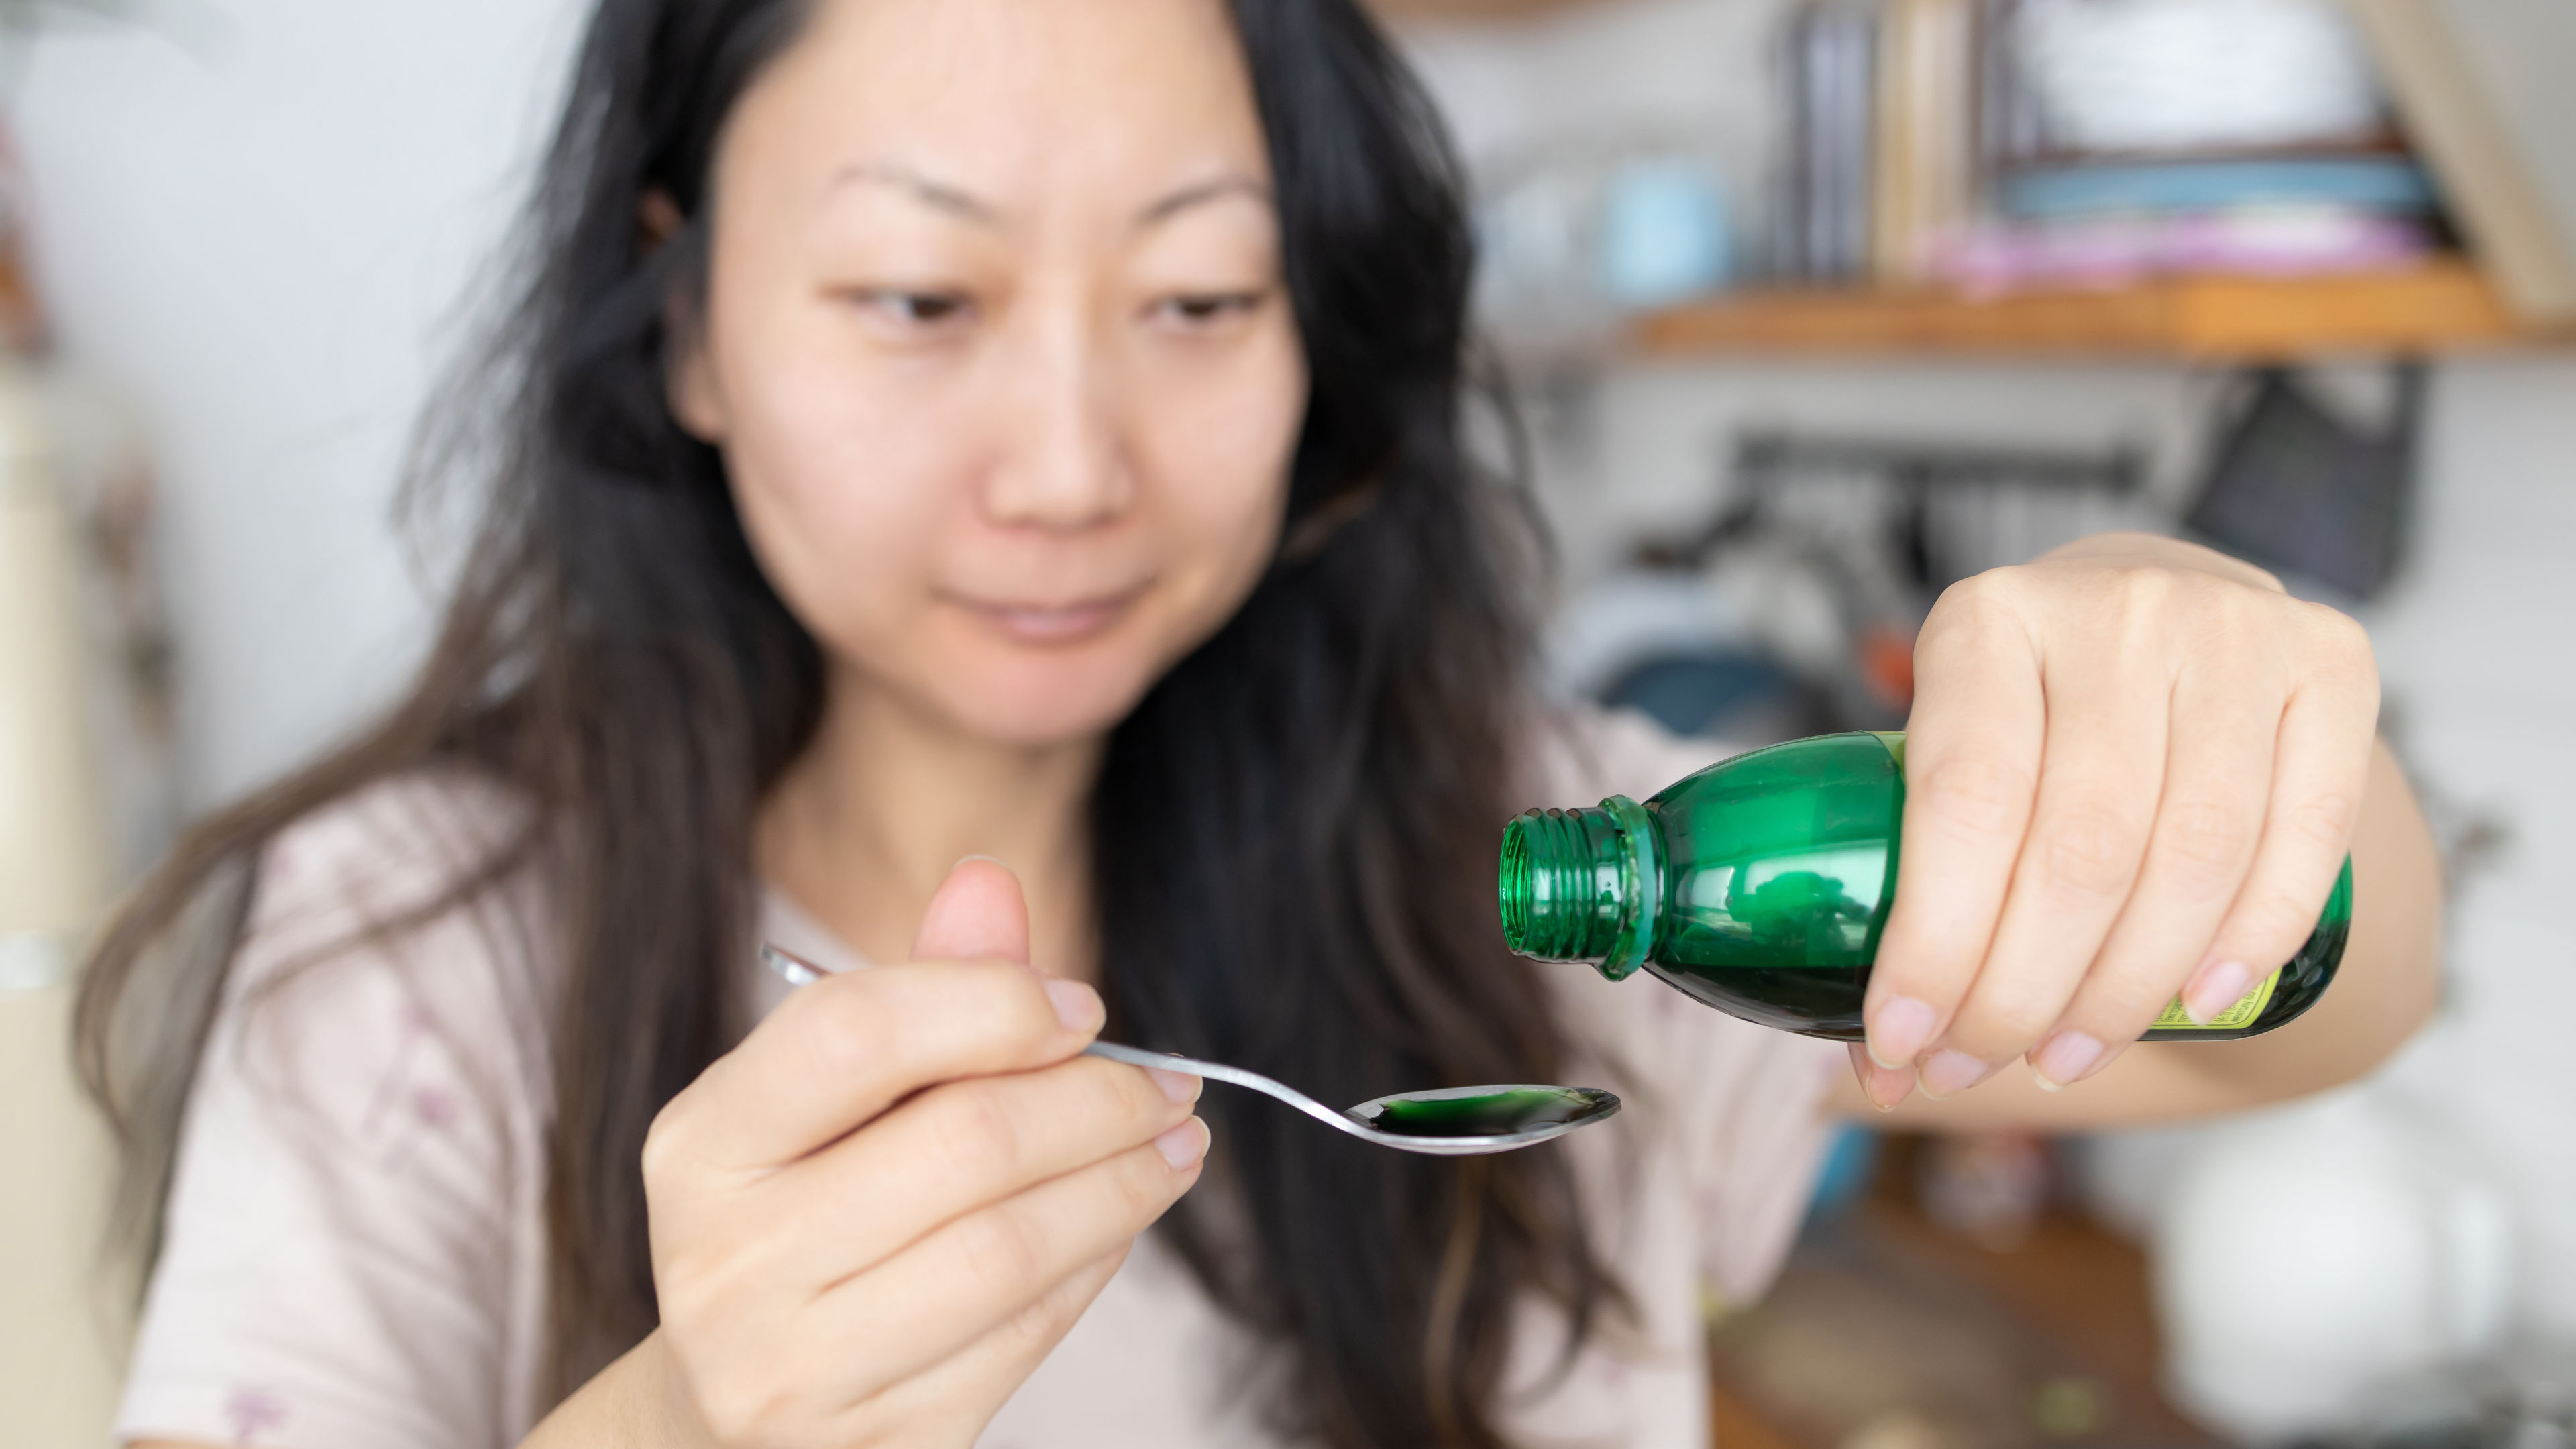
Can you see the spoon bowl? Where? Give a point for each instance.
(1446, 1122)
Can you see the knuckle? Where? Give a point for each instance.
(2344, 645)
(997, 1250)
(1142, 1185)
(850, 1029)
(1038, 1324)
(2206, 840)
(1007, 998)
(2327, 819)
(1977, 792)
(1976, 591)
(1108, 1093)
(662, 1143)
(2340, 631)
(2271, 929)
(1973, 606)
(979, 1136)
(2090, 848)
(2150, 591)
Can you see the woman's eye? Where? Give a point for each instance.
(1200, 310)
(914, 310)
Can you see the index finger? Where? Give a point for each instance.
(1972, 750)
(844, 1049)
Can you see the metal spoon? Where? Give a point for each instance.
(1453, 1121)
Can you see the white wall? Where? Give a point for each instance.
(265, 240)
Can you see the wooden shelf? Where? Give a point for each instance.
(2440, 307)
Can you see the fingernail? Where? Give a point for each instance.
(1183, 1145)
(2219, 986)
(1899, 1030)
(2065, 1059)
(1884, 1088)
(988, 860)
(1951, 1072)
(1076, 1005)
(1179, 1086)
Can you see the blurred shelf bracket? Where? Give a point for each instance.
(1768, 461)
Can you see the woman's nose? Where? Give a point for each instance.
(1063, 464)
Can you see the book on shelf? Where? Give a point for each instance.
(1926, 126)
(1829, 79)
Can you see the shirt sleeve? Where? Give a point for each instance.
(347, 1259)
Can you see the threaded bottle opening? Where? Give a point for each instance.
(1560, 885)
(1514, 887)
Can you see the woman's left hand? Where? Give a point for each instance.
(2133, 769)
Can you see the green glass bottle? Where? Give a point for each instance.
(1759, 886)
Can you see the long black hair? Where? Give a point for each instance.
(1293, 832)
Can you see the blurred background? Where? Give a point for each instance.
(1811, 307)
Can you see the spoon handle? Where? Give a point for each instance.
(798, 971)
(1220, 1072)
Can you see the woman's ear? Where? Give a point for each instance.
(657, 220)
(688, 383)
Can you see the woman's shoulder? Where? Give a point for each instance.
(411, 909)
(391, 848)
(1578, 754)
(355, 1216)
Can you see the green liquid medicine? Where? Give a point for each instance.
(1759, 886)
(1464, 1112)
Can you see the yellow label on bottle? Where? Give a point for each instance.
(2234, 1018)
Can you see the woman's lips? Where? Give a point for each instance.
(1038, 623)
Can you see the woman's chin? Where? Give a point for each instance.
(1046, 702)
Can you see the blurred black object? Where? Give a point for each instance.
(1723, 694)
(2299, 490)
(1870, 530)
(1768, 462)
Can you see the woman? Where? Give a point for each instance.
(1028, 429)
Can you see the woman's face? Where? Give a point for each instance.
(996, 347)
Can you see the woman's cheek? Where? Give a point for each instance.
(837, 517)
(1224, 461)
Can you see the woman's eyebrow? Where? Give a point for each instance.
(1200, 192)
(959, 202)
(956, 201)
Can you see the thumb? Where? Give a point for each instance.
(978, 914)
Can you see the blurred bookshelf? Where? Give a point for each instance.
(2436, 308)
(1947, 186)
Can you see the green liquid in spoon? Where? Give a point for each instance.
(1486, 1114)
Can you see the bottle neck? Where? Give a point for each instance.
(1582, 885)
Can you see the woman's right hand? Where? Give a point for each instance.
(876, 1216)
